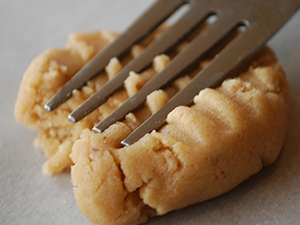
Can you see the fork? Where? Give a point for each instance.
(260, 20)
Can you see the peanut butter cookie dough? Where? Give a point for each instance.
(229, 134)
(49, 72)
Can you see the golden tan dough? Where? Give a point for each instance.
(204, 151)
(229, 134)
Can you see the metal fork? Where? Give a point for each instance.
(260, 19)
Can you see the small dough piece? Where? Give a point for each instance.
(156, 100)
(133, 83)
(114, 66)
(160, 62)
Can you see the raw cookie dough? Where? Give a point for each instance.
(49, 71)
(229, 134)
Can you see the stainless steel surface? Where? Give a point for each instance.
(28, 197)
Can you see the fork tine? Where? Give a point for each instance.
(230, 61)
(191, 54)
(162, 44)
(138, 30)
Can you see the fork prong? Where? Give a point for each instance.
(117, 48)
(162, 44)
(191, 54)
